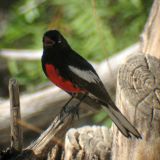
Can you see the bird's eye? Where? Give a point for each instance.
(48, 42)
(59, 41)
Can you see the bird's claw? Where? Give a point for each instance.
(69, 110)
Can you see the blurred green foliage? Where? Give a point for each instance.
(94, 28)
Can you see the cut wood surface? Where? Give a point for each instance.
(50, 100)
(88, 143)
(138, 96)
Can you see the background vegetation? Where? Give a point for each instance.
(95, 28)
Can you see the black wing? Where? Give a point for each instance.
(83, 75)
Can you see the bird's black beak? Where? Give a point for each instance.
(47, 42)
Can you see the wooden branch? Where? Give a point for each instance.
(24, 55)
(16, 130)
(29, 55)
(48, 135)
(40, 148)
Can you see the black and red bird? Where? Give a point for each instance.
(72, 73)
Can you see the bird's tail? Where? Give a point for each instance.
(121, 122)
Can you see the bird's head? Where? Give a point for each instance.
(53, 38)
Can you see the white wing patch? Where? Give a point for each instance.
(89, 76)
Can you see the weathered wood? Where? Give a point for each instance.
(138, 96)
(150, 38)
(16, 130)
(88, 143)
(29, 55)
(40, 148)
(25, 55)
(56, 153)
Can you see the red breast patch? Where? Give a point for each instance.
(53, 75)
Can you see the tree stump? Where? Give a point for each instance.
(138, 96)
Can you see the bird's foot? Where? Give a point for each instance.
(74, 112)
(69, 110)
(62, 113)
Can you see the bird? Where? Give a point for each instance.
(75, 75)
